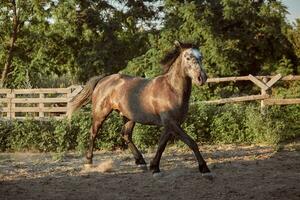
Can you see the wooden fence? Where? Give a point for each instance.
(36, 103)
(265, 83)
(53, 102)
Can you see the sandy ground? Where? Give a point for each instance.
(242, 172)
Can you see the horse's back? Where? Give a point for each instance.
(125, 94)
(139, 99)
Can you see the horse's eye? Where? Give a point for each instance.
(188, 58)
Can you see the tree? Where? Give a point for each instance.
(236, 37)
(294, 37)
(14, 35)
(17, 37)
(72, 40)
(97, 37)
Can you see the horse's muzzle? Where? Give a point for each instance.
(203, 77)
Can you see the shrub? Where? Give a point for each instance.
(145, 136)
(198, 121)
(5, 130)
(227, 124)
(262, 128)
(110, 134)
(232, 123)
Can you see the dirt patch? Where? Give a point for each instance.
(243, 172)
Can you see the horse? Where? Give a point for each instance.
(161, 101)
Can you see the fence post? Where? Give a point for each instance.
(69, 97)
(10, 105)
(41, 106)
(264, 92)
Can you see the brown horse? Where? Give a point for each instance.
(162, 101)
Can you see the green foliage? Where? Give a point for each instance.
(61, 43)
(110, 135)
(285, 67)
(263, 128)
(227, 125)
(145, 136)
(234, 37)
(239, 123)
(294, 37)
(78, 39)
(5, 130)
(75, 38)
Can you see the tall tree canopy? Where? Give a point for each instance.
(236, 37)
(46, 43)
(75, 39)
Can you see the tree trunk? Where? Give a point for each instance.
(7, 67)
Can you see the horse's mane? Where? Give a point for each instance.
(172, 55)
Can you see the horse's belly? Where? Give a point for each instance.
(143, 118)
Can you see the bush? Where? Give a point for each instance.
(262, 128)
(232, 123)
(227, 124)
(198, 120)
(145, 136)
(5, 130)
(110, 134)
(243, 123)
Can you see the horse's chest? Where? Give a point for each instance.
(182, 112)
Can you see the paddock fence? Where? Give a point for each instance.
(44, 103)
(265, 83)
(41, 103)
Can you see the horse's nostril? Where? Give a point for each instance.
(204, 77)
(200, 80)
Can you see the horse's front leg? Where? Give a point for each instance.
(178, 132)
(164, 138)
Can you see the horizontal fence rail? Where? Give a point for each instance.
(36, 103)
(265, 83)
(44, 103)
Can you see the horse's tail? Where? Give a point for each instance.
(84, 96)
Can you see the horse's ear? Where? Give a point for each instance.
(177, 44)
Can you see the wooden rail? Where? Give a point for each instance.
(265, 83)
(53, 102)
(36, 103)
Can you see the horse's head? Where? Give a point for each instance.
(192, 64)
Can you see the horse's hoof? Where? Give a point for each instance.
(157, 174)
(143, 167)
(209, 176)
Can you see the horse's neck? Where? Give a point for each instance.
(179, 81)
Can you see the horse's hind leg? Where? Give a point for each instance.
(127, 136)
(97, 123)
